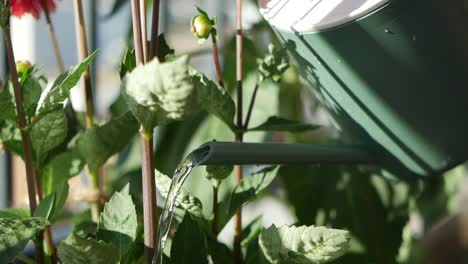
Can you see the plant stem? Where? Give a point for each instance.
(219, 72)
(153, 50)
(25, 259)
(46, 235)
(239, 134)
(252, 103)
(149, 196)
(150, 213)
(214, 225)
(82, 44)
(26, 140)
(137, 32)
(144, 42)
(53, 37)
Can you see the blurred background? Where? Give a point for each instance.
(390, 220)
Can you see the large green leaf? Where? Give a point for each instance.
(343, 197)
(60, 90)
(184, 200)
(164, 90)
(303, 245)
(15, 213)
(97, 144)
(275, 123)
(60, 169)
(118, 222)
(213, 98)
(248, 189)
(78, 250)
(159, 93)
(32, 90)
(15, 234)
(189, 244)
(48, 132)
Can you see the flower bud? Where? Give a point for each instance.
(201, 26)
(23, 67)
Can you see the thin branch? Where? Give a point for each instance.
(150, 213)
(82, 44)
(251, 105)
(144, 41)
(214, 225)
(153, 50)
(25, 138)
(53, 37)
(137, 32)
(239, 134)
(219, 72)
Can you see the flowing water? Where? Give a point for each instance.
(181, 174)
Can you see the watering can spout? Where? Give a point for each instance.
(232, 153)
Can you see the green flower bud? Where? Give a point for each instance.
(23, 67)
(201, 26)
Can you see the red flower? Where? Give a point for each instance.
(34, 7)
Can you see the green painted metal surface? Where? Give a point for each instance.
(397, 79)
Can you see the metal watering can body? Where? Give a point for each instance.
(393, 74)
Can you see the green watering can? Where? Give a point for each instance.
(393, 75)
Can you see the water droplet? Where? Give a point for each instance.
(388, 31)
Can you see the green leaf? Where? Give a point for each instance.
(219, 252)
(60, 169)
(61, 190)
(185, 200)
(10, 137)
(15, 234)
(45, 207)
(60, 90)
(32, 90)
(280, 124)
(128, 62)
(14, 213)
(7, 107)
(78, 250)
(118, 222)
(303, 245)
(97, 144)
(217, 173)
(248, 189)
(163, 92)
(164, 51)
(48, 132)
(213, 98)
(251, 231)
(274, 64)
(189, 244)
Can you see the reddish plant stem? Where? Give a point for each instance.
(144, 41)
(137, 43)
(82, 45)
(25, 138)
(149, 196)
(219, 72)
(239, 135)
(150, 213)
(153, 50)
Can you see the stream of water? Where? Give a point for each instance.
(181, 174)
